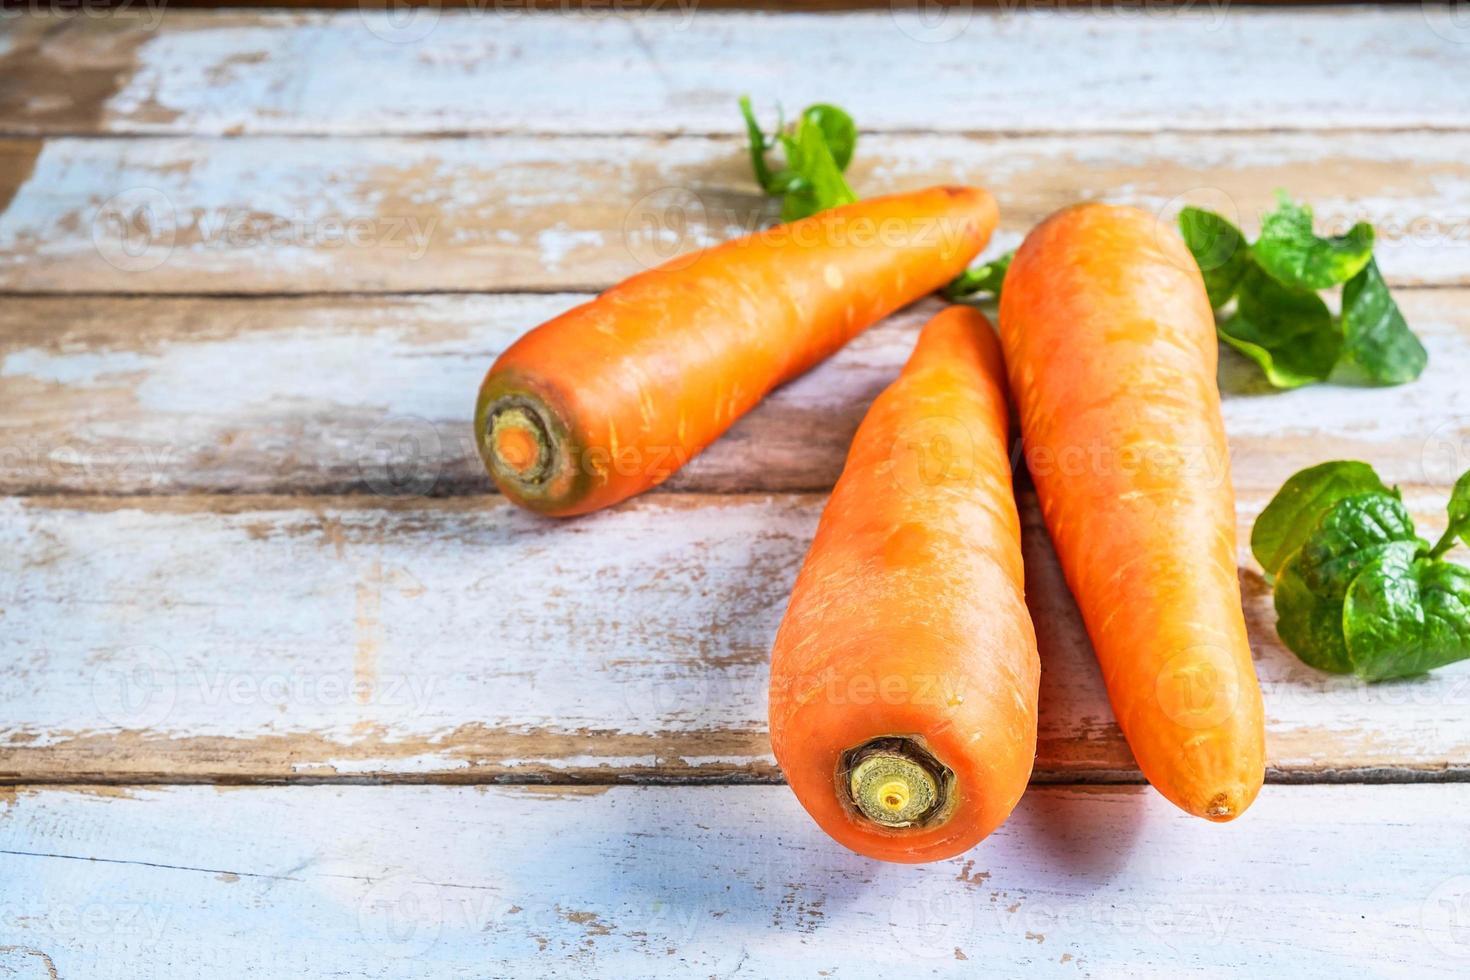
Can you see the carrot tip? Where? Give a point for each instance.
(1221, 807)
(895, 782)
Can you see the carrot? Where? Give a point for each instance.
(611, 397)
(1110, 344)
(904, 676)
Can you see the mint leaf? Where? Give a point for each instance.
(1310, 625)
(1376, 338)
(985, 278)
(1293, 513)
(1220, 250)
(1287, 331)
(1355, 532)
(818, 147)
(1403, 617)
(1295, 256)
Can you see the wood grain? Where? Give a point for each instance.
(418, 882)
(1142, 68)
(246, 639)
(373, 395)
(270, 215)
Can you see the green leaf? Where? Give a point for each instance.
(818, 148)
(1459, 510)
(1354, 532)
(1220, 250)
(819, 184)
(1403, 617)
(1295, 256)
(1293, 513)
(1310, 625)
(1289, 332)
(837, 129)
(1459, 507)
(758, 147)
(1376, 338)
(985, 278)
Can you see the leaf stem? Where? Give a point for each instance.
(1446, 541)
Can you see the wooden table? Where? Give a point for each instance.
(288, 691)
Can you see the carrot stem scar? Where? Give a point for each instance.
(520, 447)
(894, 782)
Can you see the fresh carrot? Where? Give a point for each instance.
(904, 675)
(611, 397)
(1110, 344)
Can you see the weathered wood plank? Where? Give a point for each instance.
(257, 639)
(189, 215)
(350, 394)
(455, 72)
(664, 881)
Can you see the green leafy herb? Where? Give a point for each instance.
(1310, 625)
(1287, 331)
(1279, 321)
(985, 278)
(1355, 532)
(1295, 256)
(818, 147)
(1219, 248)
(1405, 616)
(1357, 590)
(1376, 339)
(838, 129)
(1289, 518)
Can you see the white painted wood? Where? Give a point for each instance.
(189, 215)
(230, 638)
(342, 394)
(406, 882)
(374, 395)
(1142, 68)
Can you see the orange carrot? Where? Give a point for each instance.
(1110, 344)
(904, 676)
(611, 397)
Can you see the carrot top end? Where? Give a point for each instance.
(896, 783)
(527, 446)
(518, 443)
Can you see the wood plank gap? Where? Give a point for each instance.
(508, 132)
(759, 776)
